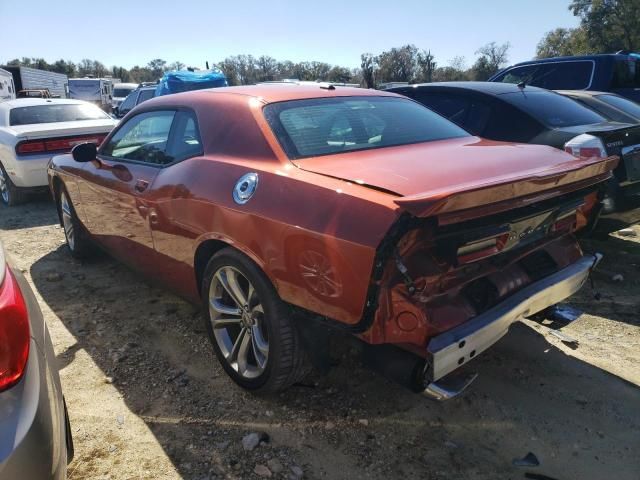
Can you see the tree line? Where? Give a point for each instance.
(606, 26)
(401, 64)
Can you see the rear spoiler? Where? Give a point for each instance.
(502, 193)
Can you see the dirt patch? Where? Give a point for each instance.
(147, 398)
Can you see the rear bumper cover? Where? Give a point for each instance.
(29, 171)
(449, 350)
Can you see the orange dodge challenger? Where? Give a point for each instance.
(357, 208)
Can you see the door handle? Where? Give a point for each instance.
(141, 185)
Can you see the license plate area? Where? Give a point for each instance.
(631, 160)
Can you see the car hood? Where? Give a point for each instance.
(61, 129)
(435, 172)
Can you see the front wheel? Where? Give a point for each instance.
(250, 328)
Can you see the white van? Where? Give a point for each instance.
(7, 88)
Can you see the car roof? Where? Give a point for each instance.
(31, 102)
(489, 88)
(271, 93)
(574, 58)
(126, 85)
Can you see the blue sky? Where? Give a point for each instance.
(126, 33)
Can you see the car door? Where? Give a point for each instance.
(115, 187)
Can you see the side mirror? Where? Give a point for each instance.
(84, 152)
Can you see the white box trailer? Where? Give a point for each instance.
(94, 90)
(7, 88)
(26, 78)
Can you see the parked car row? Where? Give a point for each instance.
(526, 114)
(424, 220)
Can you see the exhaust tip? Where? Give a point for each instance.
(448, 387)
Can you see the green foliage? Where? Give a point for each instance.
(563, 42)
(609, 25)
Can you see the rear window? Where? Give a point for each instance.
(325, 126)
(626, 74)
(146, 95)
(54, 113)
(552, 76)
(624, 104)
(552, 109)
(122, 92)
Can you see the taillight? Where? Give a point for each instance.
(585, 146)
(30, 147)
(14, 332)
(55, 144)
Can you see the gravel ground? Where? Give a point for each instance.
(147, 398)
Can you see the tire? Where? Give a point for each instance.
(76, 236)
(10, 195)
(264, 318)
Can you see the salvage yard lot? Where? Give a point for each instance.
(147, 398)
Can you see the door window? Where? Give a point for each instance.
(143, 138)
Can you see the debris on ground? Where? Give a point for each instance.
(564, 338)
(251, 441)
(618, 277)
(563, 313)
(627, 232)
(529, 460)
(262, 471)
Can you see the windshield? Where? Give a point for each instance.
(54, 113)
(627, 106)
(122, 92)
(325, 126)
(552, 109)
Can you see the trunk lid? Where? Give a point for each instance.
(625, 143)
(453, 175)
(62, 129)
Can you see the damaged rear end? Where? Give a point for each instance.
(465, 262)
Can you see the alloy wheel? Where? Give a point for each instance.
(238, 322)
(4, 188)
(67, 221)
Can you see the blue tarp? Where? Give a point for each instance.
(185, 80)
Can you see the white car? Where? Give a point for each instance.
(34, 130)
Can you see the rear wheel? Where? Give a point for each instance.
(77, 242)
(10, 195)
(250, 328)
